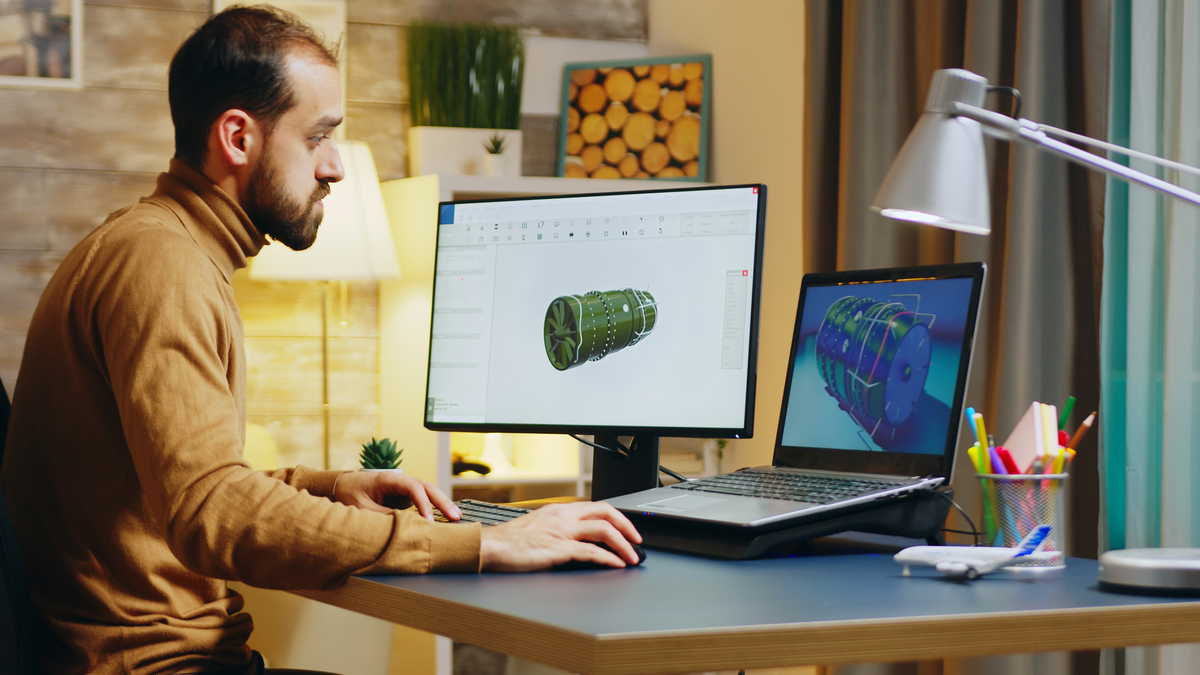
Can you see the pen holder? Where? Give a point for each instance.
(1015, 504)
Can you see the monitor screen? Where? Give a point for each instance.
(631, 313)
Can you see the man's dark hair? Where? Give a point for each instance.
(236, 61)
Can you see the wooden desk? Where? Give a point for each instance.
(680, 614)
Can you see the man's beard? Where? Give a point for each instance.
(275, 214)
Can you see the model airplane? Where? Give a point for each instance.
(971, 562)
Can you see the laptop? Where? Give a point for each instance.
(871, 412)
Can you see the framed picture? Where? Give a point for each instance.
(643, 118)
(41, 43)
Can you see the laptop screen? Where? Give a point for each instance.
(878, 370)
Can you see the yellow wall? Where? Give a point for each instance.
(758, 106)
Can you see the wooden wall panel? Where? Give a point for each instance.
(293, 309)
(383, 126)
(298, 438)
(594, 19)
(131, 46)
(50, 210)
(92, 129)
(23, 223)
(202, 6)
(78, 201)
(23, 275)
(284, 375)
(375, 64)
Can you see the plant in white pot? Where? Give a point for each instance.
(493, 161)
(464, 84)
(381, 455)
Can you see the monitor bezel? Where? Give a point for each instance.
(745, 431)
(891, 463)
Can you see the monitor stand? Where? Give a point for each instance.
(613, 475)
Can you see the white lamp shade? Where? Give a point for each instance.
(355, 238)
(940, 177)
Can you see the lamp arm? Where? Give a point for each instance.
(1003, 126)
(1088, 140)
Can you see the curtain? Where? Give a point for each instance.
(1150, 341)
(868, 67)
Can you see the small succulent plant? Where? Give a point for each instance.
(495, 144)
(380, 454)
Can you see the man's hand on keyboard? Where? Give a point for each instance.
(367, 490)
(557, 534)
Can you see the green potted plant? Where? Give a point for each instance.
(493, 161)
(381, 455)
(464, 84)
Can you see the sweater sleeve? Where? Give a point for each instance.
(319, 483)
(168, 334)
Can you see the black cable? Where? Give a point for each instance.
(974, 530)
(619, 451)
(677, 476)
(1016, 99)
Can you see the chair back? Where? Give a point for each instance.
(18, 621)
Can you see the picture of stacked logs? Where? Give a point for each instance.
(638, 121)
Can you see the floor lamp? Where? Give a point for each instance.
(353, 244)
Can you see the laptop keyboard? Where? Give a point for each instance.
(482, 512)
(815, 489)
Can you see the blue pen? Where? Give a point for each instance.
(971, 423)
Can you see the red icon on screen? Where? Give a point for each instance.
(754, 190)
(745, 273)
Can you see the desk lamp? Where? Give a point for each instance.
(353, 244)
(940, 176)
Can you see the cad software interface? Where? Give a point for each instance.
(629, 310)
(877, 364)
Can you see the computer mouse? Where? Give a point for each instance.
(589, 565)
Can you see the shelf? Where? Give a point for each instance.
(468, 187)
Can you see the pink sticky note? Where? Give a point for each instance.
(1025, 442)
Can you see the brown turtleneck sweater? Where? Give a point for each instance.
(124, 472)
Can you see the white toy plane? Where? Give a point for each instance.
(971, 562)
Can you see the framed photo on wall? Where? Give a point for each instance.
(41, 44)
(642, 118)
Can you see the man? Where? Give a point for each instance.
(123, 470)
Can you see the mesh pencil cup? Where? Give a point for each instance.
(1015, 504)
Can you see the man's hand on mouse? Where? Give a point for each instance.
(557, 534)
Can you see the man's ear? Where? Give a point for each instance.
(236, 137)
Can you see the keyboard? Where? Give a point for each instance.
(815, 489)
(482, 512)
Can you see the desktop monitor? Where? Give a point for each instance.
(627, 314)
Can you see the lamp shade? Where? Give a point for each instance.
(940, 176)
(355, 239)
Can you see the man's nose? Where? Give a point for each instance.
(331, 169)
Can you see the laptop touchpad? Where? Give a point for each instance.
(682, 503)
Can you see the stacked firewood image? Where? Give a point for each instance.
(637, 122)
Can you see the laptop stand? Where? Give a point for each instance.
(920, 515)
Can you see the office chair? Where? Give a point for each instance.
(18, 623)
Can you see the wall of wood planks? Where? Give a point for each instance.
(68, 158)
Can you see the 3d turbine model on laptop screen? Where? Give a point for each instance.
(874, 358)
(589, 327)
(882, 359)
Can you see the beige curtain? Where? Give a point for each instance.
(868, 67)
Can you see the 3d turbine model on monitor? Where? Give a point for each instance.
(874, 358)
(588, 327)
